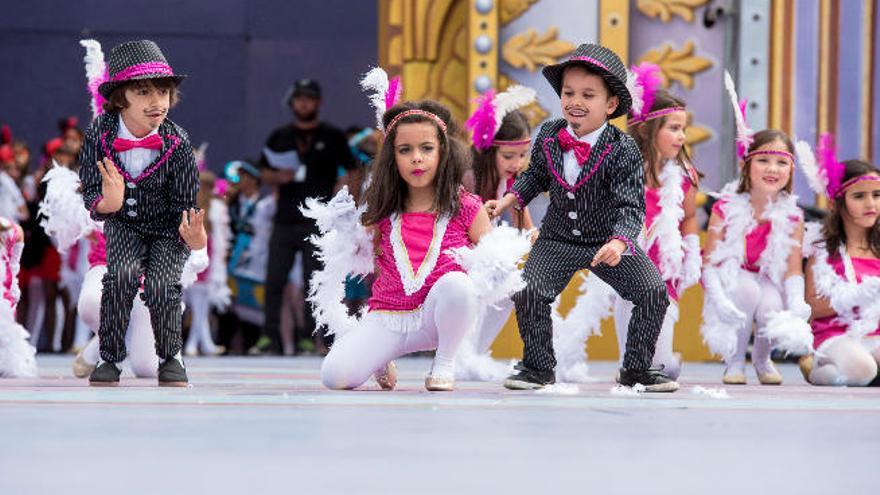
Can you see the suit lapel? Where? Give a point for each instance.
(555, 151)
(595, 153)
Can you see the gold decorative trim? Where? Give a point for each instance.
(481, 65)
(508, 10)
(530, 50)
(679, 66)
(665, 9)
(614, 34)
(866, 150)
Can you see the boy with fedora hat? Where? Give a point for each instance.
(593, 173)
(139, 176)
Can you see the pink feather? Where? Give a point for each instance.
(96, 96)
(393, 93)
(648, 77)
(482, 122)
(220, 187)
(828, 164)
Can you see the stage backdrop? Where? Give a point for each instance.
(240, 57)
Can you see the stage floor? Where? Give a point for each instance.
(265, 425)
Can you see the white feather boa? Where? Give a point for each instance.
(11, 199)
(787, 331)
(66, 219)
(344, 247)
(844, 296)
(570, 334)
(220, 293)
(16, 354)
(666, 230)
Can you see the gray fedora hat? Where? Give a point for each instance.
(602, 61)
(135, 60)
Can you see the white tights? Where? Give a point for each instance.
(663, 354)
(199, 339)
(758, 298)
(448, 313)
(843, 360)
(139, 339)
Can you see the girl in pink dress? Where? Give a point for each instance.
(416, 211)
(501, 142)
(752, 271)
(670, 236)
(843, 276)
(16, 353)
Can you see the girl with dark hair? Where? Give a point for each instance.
(843, 275)
(416, 212)
(501, 142)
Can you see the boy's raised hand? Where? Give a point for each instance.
(112, 187)
(192, 229)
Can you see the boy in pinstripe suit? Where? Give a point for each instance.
(593, 173)
(139, 176)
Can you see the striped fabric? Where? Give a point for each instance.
(607, 201)
(142, 237)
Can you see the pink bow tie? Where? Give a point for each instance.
(153, 142)
(568, 143)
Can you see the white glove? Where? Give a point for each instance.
(794, 297)
(692, 264)
(727, 311)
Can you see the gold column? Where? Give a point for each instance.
(614, 34)
(826, 118)
(867, 125)
(781, 65)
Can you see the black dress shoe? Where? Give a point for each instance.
(528, 379)
(106, 374)
(653, 379)
(172, 373)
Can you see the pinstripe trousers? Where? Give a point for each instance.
(131, 254)
(549, 268)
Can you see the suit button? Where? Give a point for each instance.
(131, 185)
(569, 195)
(572, 215)
(131, 201)
(132, 213)
(576, 232)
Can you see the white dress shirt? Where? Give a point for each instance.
(135, 160)
(572, 169)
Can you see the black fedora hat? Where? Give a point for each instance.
(135, 60)
(602, 61)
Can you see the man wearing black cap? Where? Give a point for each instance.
(302, 159)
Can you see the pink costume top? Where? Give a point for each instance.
(418, 232)
(756, 240)
(9, 242)
(827, 327)
(652, 209)
(97, 249)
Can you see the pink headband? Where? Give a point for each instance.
(142, 69)
(437, 120)
(769, 152)
(846, 185)
(655, 114)
(500, 142)
(590, 60)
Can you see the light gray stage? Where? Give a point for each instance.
(265, 425)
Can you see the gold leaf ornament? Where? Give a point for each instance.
(508, 10)
(679, 66)
(665, 9)
(530, 49)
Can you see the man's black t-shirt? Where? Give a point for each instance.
(321, 151)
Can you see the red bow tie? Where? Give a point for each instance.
(153, 142)
(568, 143)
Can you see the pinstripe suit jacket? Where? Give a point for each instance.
(153, 200)
(608, 199)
